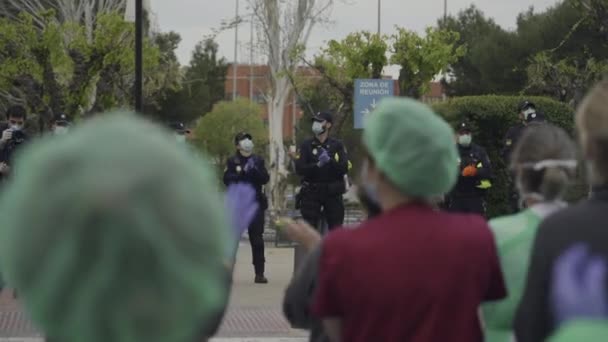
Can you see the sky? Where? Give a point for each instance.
(194, 19)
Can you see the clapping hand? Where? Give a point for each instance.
(241, 207)
(579, 286)
(324, 158)
(250, 165)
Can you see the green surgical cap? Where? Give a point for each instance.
(115, 232)
(413, 147)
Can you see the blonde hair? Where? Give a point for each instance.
(592, 128)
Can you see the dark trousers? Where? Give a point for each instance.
(256, 239)
(313, 208)
(468, 205)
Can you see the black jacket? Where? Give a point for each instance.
(584, 222)
(257, 177)
(308, 158)
(469, 186)
(510, 140)
(299, 297)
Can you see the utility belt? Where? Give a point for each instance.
(320, 190)
(337, 188)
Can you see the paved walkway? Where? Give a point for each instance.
(254, 313)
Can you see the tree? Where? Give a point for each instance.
(85, 12)
(422, 58)
(50, 74)
(359, 55)
(202, 85)
(216, 130)
(286, 27)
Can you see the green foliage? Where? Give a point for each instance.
(490, 118)
(558, 52)
(202, 85)
(359, 55)
(215, 131)
(422, 58)
(56, 68)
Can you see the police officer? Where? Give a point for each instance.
(475, 174)
(528, 114)
(245, 167)
(322, 163)
(60, 124)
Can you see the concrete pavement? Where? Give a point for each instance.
(254, 313)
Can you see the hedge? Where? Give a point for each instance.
(490, 117)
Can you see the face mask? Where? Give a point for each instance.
(318, 128)
(465, 139)
(60, 130)
(16, 127)
(370, 189)
(246, 145)
(529, 114)
(180, 138)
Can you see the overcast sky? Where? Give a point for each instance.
(193, 19)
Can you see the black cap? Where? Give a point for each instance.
(178, 127)
(525, 105)
(242, 136)
(463, 126)
(323, 116)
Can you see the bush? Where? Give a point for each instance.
(490, 118)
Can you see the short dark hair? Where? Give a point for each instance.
(16, 112)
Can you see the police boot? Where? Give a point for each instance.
(259, 275)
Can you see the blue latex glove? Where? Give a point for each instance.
(250, 165)
(324, 157)
(241, 207)
(579, 286)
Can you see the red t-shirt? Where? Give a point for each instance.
(412, 274)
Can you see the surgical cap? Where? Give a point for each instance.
(115, 233)
(413, 147)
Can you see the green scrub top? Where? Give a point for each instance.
(582, 331)
(514, 236)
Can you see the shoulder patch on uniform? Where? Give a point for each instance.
(509, 142)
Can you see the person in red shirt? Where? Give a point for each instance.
(412, 273)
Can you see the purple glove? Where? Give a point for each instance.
(324, 157)
(241, 207)
(250, 165)
(579, 286)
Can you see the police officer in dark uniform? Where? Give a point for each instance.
(322, 163)
(528, 114)
(60, 124)
(245, 167)
(475, 175)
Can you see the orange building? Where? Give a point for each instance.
(253, 82)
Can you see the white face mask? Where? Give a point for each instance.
(16, 127)
(465, 140)
(318, 128)
(246, 145)
(529, 113)
(60, 130)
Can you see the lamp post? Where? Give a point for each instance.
(236, 48)
(379, 16)
(134, 12)
(445, 10)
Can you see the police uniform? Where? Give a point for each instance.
(469, 193)
(511, 139)
(322, 186)
(258, 177)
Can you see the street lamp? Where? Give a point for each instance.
(138, 17)
(379, 15)
(236, 47)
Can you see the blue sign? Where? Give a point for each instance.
(368, 94)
